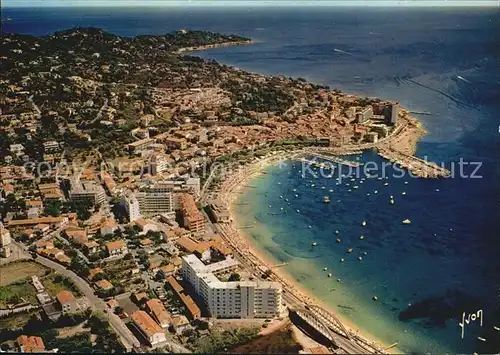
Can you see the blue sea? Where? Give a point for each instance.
(442, 61)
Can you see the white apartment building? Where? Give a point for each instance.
(5, 242)
(132, 207)
(87, 191)
(234, 299)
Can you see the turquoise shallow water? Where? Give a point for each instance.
(401, 264)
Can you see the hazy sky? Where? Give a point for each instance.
(39, 3)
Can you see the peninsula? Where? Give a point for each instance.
(119, 158)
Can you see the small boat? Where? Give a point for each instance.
(437, 190)
(325, 268)
(375, 192)
(406, 182)
(281, 196)
(363, 223)
(326, 199)
(338, 240)
(360, 258)
(391, 197)
(392, 202)
(338, 280)
(406, 221)
(310, 226)
(386, 184)
(349, 250)
(368, 194)
(279, 183)
(379, 178)
(336, 232)
(342, 260)
(269, 206)
(330, 190)
(329, 275)
(349, 190)
(294, 190)
(281, 208)
(355, 187)
(298, 211)
(352, 179)
(312, 185)
(323, 188)
(365, 253)
(314, 244)
(374, 298)
(403, 193)
(362, 237)
(296, 195)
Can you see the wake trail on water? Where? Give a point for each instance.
(451, 97)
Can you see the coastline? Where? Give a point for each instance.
(230, 189)
(213, 46)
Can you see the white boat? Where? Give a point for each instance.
(406, 221)
(375, 192)
(391, 197)
(355, 187)
(330, 190)
(368, 194)
(403, 193)
(392, 201)
(336, 232)
(363, 223)
(386, 184)
(338, 240)
(298, 211)
(349, 250)
(314, 244)
(406, 182)
(329, 275)
(342, 260)
(362, 237)
(360, 258)
(310, 226)
(296, 195)
(312, 185)
(325, 268)
(326, 199)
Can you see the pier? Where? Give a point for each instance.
(329, 158)
(417, 166)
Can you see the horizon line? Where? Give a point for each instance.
(251, 3)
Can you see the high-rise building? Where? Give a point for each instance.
(192, 218)
(232, 299)
(391, 113)
(132, 207)
(5, 242)
(365, 114)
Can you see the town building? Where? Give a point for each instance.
(50, 146)
(158, 164)
(192, 218)
(219, 212)
(365, 114)
(158, 312)
(140, 145)
(117, 248)
(194, 311)
(5, 243)
(108, 227)
(232, 299)
(89, 192)
(30, 344)
(153, 333)
(67, 302)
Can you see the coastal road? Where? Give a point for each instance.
(127, 338)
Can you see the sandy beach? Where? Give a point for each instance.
(230, 189)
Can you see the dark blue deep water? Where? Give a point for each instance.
(443, 61)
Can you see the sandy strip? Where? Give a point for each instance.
(230, 190)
